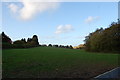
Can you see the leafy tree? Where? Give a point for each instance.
(67, 46)
(44, 45)
(5, 38)
(18, 42)
(6, 41)
(35, 40)
(29, 40)
(55, 45)
(71, 47)
(50, 45)
(104, 40)
(24, 40)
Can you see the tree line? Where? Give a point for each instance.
(60, 46)
(7, 43)
(101, 40)
(23, 43)
(104, 40)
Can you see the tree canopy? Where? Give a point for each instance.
(7, 42)
(104, 40)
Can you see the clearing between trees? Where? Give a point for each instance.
(51, 62)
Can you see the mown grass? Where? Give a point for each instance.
(42, 62)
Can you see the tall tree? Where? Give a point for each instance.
(5, 38)
(35, 40)
(6, 41)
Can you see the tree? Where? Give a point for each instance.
(67, 46)
(6, 41)
(44, 45)
(71, 47)
(50, 45)
(18, 42)
(5, 38)
(35, 40)
(55, 45)
(29, 40)
(24, 40)
(104, 40)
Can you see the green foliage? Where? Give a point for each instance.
(50, 45)
(24, 40)
(31, 42)
(19, 42)
(104, 40)
(5, 41)
(6, 45)
(35, 40)
(5, 38)
(70, 47)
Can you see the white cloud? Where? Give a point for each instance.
(30, 9)
(64, 29)
(91, 19)
(13, 8)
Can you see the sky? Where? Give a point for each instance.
(62, 23)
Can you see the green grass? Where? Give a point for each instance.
(55, 62)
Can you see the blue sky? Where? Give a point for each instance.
(65, 23)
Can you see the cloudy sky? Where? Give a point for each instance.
(65, 23)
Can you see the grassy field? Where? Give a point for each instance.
(48, 62)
